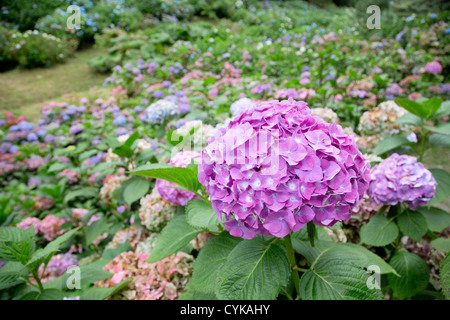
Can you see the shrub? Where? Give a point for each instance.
(34, 49)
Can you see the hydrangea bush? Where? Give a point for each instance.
(276, 167)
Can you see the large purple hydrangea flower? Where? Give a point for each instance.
(169, 190)
(401, 179)
(276, 167)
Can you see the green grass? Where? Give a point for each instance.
(24, 91)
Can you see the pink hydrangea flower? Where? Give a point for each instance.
(50, 227)
(277, 167)
(433, 67)
(28, 222)
(167, 190)
(401, 179)
(79, 213)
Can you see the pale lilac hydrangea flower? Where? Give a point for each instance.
(400, 178)
(240, 105)
(277, 167)
(57, 266)
(167, 190)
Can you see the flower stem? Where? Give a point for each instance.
(300, 269)
(294, 268)
(38, 281)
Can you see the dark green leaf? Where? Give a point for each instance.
(437, 219)
(201, 215)
(184, 177)
(412, 106)
(444, 273)
(443, 187)
(210, 260)
(441, 244)
(380, 231)
(174, 237)
(413, 224)
(389, 144)
(96, 229)
(98, 293)
(135, 189)
(255, 270)
(333, 278)
(439, 140)
(414, 274)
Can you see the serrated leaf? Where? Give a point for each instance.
(443, 111)
(380, 231)
(89, 274)
(98, 293)
(30, 295)
(13, 234)
(201, 215)
(96, 229)
(333, 278)
(437, 219)
(439, 140)
(441, 128)
(432, 105)
(196, 295)
(50, 249)
(413, 224)
(414, 274)
(389, 144)
(83, 193)
(444, 273)
(184, 177)
(354, 253)
(124, 151)
(135, 189)
(255, 270)
(132, 139)
(11, 273)
(443, 188)
(412, 106)
(441, 244)
(174, 237)
(50, 294)
(58, 167)
(210, 260)
(410, 119)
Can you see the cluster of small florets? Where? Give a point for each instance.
(381, 120)
(142, 145)
(327, 114)
(110, 183)
(155, 211)
(168, 190)
(49, 227)
(276, 167)
(163, 280)
(132, 235)
(401, 179)
(194, 133)
(161, 110)
(57, 266)
(363, 212)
